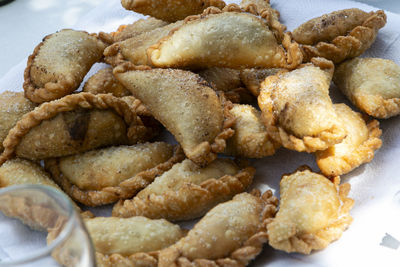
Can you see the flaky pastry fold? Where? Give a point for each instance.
(313, 212)
(187, 191)
(111, 186)
(207, 40)
(135, 131)
(339, 35)
(358, 147)
(59, 63)
(297, 110)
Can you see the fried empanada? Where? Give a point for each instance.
(104, 176)
(170, 10)
(59, 63)
(222, 79)
(184, 103)
(187, 191)
(208, 40)
(231, 234)
(313, 212)
(251, 139)
(339, 35)
(297, 110)
(371, 84)
(138, 27)
(252, 78)
(358, 147)
(104, 82)
(74, 124)
(134, 49)
(13, 106)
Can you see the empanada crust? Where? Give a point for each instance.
(96, 188)
(339, 35)
(187, 191)
(371, 84)
(297, 110)
(186, 105)
(231, 234)
(208, 40)
(252, 78)
(59, 63)
(135, 131)
(357, 148)
(104, 82)
(170, 10)
(313, 212)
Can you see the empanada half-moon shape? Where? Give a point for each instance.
(187, 191)
(104, 176)
(231, 234)
(313, 212)
(185, 104)
(339, 35)
(42, 133)
(297, 110)
(208, 40)
(170, 10)
(371, 84)
(251, 139)
(13, 105)
(59, 63)
(362, 139)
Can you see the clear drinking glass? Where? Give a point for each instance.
(46, 213)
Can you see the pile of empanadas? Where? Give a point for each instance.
(230, 84)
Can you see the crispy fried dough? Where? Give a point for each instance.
(297, 110)
(59, 63)
(251, 139)
(170, 10)
(221, 79)
(358, 147)
(184, 103)
(104, 82)
(12, 107)
(138, 27)
(74, 124)
(187, 191)
(339, 35)
(208, 40)
(104, 176)
(252, 78)
(313, 212)
(371, 84)
(232, 233)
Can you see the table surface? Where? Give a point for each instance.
(25, 22)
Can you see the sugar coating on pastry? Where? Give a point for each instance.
(371, 84)
(313, 212)
(358, 147)
(297, 109)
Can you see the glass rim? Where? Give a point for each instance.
(62, 236)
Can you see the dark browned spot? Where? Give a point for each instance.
(77, 122)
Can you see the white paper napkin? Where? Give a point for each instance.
(375, 186)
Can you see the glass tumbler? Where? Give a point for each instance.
(39, 226)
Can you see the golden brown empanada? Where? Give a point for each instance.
(13, 106)
(339, 35)
(231, 234)
(74, 124)
(170, 10)
(208, 40)
(184, 103)
(371, 84)
(252, 78)
(106, 175)
(358, 147)
(104, 82)
(138, 27)
(59, 63)
(313, 212)
(297, 110)
(251, 139)
(187, 191)
(222, 79)
(134, 49)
